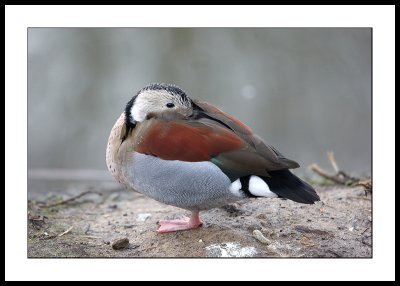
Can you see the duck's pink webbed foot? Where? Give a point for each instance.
(180, 224)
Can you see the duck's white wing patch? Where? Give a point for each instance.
(235, 188)
(259, 188)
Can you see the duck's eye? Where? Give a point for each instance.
(170, 105)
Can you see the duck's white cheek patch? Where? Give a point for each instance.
(259, 188)
(137, 114)
(235, 188)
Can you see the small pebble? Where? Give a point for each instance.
(114, 206)
(120, 243)
(143, 216)
(260, 237)
(200, 240)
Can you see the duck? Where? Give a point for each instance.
(192, 155)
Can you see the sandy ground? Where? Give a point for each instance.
(339, 226)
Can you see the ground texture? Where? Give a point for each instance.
(98, 224)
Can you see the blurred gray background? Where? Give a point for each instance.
(304, 90)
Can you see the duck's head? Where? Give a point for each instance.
(156, 99)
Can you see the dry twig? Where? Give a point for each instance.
(367, 184)
(331, 159)
(340, 177)
(91, 236)
(47, 236)
(317, 169)
(70, 199)
(65, 232)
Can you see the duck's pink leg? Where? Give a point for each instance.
(180, 224)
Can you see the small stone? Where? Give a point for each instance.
(113, 206)
(200, 240)
(129, 225)
(143, 216)
(125, 214)
(120, 243)
(260, 237)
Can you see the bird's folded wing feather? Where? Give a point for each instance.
(275, 160)
(184, 140)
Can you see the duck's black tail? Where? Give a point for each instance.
(288, 186)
